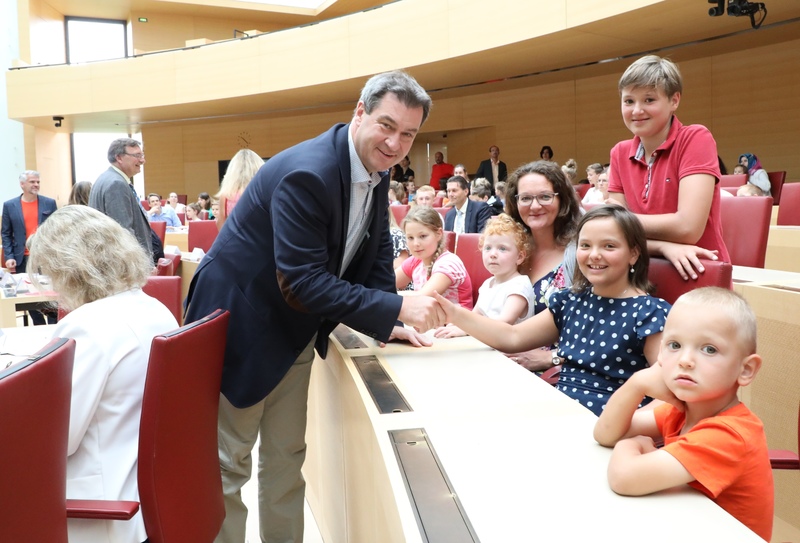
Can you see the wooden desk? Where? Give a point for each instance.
(783, 248)
(186, 270)
(179, 239)
(518, 454)
(8, 306)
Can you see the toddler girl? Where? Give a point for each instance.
(507, 295)
(431, 267)
(607, 325)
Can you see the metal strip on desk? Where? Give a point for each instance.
(348, 338)
(440, 514)
(384, 392)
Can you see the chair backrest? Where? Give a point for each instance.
(167, 290)
(180, 489)
(181, 217)
(164, 266)
(176, 260)
(204, 215)
(467, 250)
(145, 204)
(776, 181)
(442, 211)
(182, 199)
(450, 240)
(160, 228)
(202, 234)
(669, 285)
(745, 228)
(789, 210)
(582, 190)
(735, 180)
(399, 211)
(35, 402)
(437, 201)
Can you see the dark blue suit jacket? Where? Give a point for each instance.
(14, 234)
(474, 222)
(276, 265)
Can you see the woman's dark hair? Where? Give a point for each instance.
(634, 235)
(206, 200)
(548, 148)
(569, 208)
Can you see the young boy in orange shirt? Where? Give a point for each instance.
(712, 441)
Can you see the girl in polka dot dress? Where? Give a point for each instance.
(607, 325)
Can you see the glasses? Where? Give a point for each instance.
(544, 198)
(139, 156)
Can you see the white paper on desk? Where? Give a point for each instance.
(171, 250)
(24, 342)
(196, 255)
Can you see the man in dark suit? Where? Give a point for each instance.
(114, 195)
(466, 216)
(308, 247)
(21, 217)
(493, 168)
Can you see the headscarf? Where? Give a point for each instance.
(753, 163)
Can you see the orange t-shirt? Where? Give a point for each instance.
(728, 457)
(30, 214)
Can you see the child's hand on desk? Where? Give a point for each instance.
(451, 330)
(411, 336)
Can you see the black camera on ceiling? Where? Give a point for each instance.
(739, 8)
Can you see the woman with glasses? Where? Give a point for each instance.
(539, 197)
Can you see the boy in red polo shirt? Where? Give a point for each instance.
(668, 173)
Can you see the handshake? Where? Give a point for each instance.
(424, 312)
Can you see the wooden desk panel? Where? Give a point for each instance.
(783, 248)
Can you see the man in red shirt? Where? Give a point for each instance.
(440, 170)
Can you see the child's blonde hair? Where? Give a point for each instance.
(398, 190)
(654, 72)
(749, 189)
(429, 218)
(504, 225)
(734, 306)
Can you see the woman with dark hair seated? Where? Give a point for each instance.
(98, 269)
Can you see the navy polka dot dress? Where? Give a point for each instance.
(602, 341)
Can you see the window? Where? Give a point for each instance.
(95, 39)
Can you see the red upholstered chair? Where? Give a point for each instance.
(669, 285)
(781, 459)
(745, 228)
(438, 201)
(202, 234)
(467, 250)
(733, 180)
(164, 266)
(176, 260)
(582, 190)
(399, 211)
(167, 290)
(160, 228)
(789, 210)
(204, 215)
(450, 240)
(776, 181)
(35, 402)
(183, 199)
(145, 205)
(181, 217)
(442, 211)
(180, 489)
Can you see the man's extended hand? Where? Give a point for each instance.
(421, 312)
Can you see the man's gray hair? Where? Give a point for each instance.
(24, 175)
(118, 147)
(399, 83)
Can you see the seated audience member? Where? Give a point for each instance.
(397, 173)
(172, 201)
(204, 200)
(399, 246)
(241, 169)
(756, 175)
(461, 170)
(570, 170)
(156, 213)
(667, 174)
(193, 211)
(712, 441)
(411, 190)
(740, 169)
(443, 195)
(214, 209)
(431, 267)
(607, 325)
(749, 190)
(408, 173)
(466, 216)
(546, 153)
(98, 269)
(396, 193)
(425, 196)
(500, 193)
(598, 193)
(508, 295)
(480, 191)
(441, 171)
(79, 195)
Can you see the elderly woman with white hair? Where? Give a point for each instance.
(98, 269)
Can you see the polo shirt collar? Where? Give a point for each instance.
(672, 135)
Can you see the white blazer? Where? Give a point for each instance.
(113, 338)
